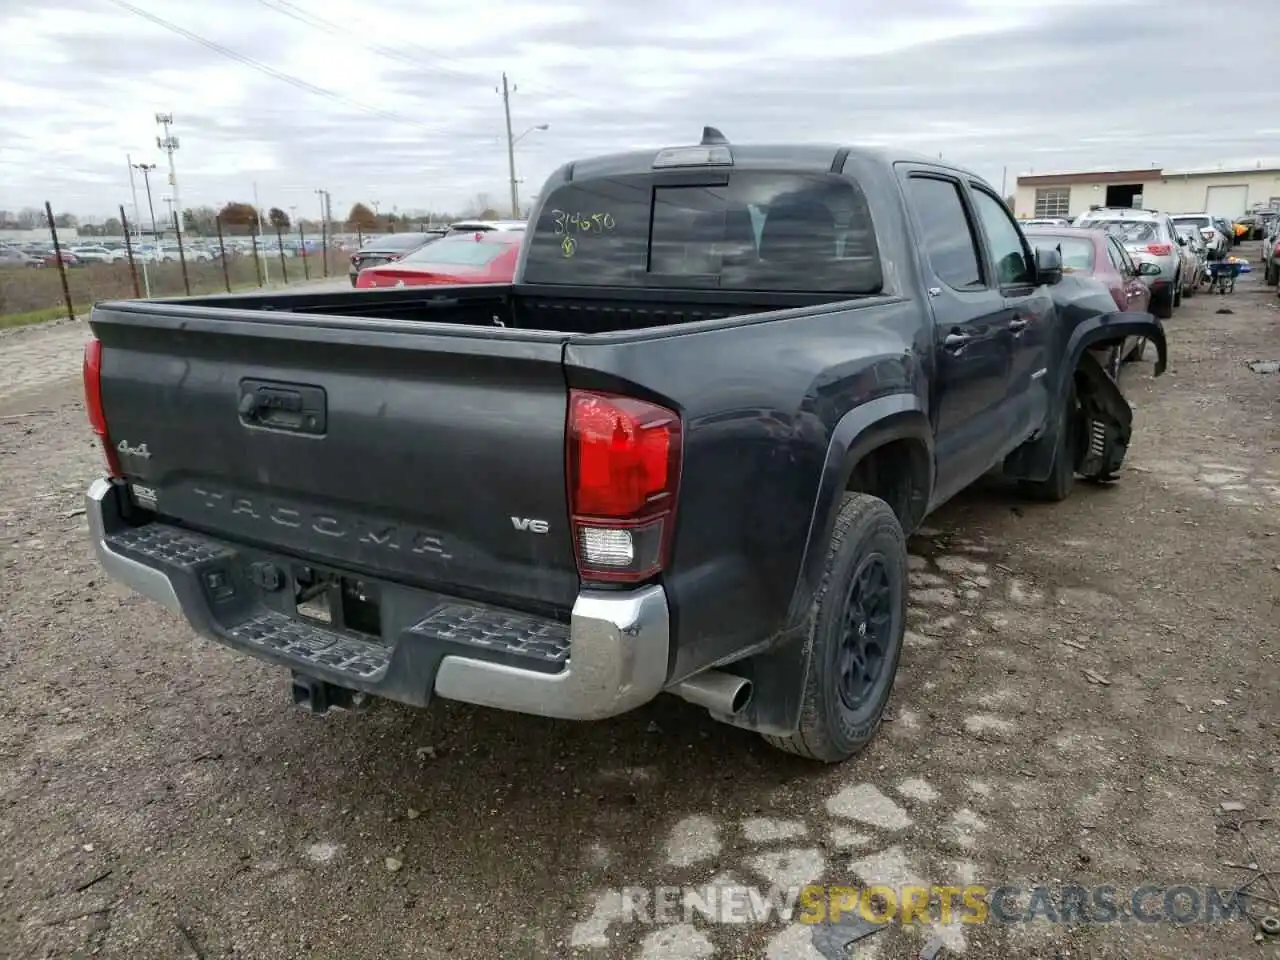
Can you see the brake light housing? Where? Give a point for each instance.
(623, 459)
(93, 404)
(1160, 249)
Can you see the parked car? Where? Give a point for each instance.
(1149, 237)
(1217, 240)
(94, 254)
(1253, 227)
(12, 257)
(680, 453)
(1098, 254)
(389, 249)
(1228, 229)
(1197, 250)
(483, 257)
(50, 257)
(1271, 255)
(1047, 222)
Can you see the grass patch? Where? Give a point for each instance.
(38, 316)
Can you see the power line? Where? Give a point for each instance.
(314, 20)
(270, 71)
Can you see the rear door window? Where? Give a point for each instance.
(767, 231)
(945, 232)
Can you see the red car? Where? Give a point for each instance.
(483, 257)
(1100, 255)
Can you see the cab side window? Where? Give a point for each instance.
(945, 232)
(1014, 265)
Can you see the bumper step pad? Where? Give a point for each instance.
(499, 631)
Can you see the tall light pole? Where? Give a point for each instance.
(169, 144)
(146, 169)
(137, 221)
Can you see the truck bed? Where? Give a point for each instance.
(543, 308)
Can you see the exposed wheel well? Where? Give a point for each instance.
(898, 473)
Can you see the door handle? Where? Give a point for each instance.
(954, 341)
(1020, 324)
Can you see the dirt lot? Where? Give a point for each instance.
(1086, 684)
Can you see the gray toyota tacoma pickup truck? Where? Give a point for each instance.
(680, 453)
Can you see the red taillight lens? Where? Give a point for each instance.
(93, 403)
(623, 471)
(1160, 249)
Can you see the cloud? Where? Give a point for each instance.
(407, 113)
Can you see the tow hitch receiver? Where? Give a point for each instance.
(320, 696)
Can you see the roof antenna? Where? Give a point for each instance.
(710, 136)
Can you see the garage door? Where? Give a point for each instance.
(1226, 201)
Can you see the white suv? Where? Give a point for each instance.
(1149, 237)
(1217, 242)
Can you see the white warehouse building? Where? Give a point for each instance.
(1227, 193)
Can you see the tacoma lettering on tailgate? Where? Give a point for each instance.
(340, 527)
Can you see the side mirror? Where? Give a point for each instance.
(1182, 241)
(1048, 265)
(1148, 269)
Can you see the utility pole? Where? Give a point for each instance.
(511, 148)
(266, 261)
(169, 144)
(1004, 179)
(137, 221)
(326, 215)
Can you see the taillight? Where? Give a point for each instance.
(623, 473)
(1160, 249)
(93, 403)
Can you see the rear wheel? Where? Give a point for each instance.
(856, 627)
(1162, 303)
(1273, 273)
(1177, 291)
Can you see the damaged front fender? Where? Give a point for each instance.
(1108, 328)
(1078, 376)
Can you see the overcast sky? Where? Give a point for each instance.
(404, 110)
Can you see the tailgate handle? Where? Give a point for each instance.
(283, 406)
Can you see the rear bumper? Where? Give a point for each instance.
(610, 658)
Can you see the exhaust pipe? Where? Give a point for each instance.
(724, 694)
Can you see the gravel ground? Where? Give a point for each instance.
(1085, 686)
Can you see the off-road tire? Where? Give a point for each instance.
(1057, 486)
(829, 730)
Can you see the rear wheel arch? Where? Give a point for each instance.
(868, 445)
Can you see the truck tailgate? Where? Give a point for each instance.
(415, 452)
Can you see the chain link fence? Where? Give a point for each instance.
(41, 281)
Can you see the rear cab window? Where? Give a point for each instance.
(763, 230)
